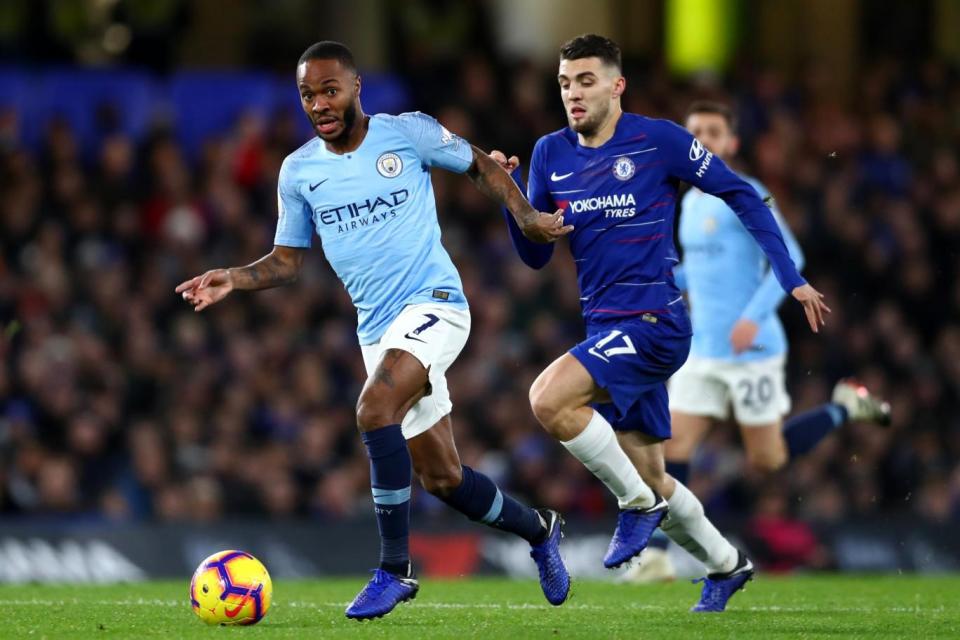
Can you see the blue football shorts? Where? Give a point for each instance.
(632, 360)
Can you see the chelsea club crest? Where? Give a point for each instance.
(623, 168)
(389, 165)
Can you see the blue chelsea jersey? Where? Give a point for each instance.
(375, 213)
(620, 198)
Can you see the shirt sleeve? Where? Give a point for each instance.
(533, 254)
(294, 220)
(688, 160)
(769, 295)
(436, 146)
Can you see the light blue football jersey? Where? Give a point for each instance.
(376, 215)
(727, 277)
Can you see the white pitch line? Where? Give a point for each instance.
(301, 604)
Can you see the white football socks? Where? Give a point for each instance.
(599, 451)
(688, 526)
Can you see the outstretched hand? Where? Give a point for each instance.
(743, 334)
(544, 227)
(210, 288)
(813, 305)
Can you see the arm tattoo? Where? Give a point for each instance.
(272, 270)
(496, 184)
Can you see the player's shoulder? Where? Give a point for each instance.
(308, 150)
(559, 141)
(656, 128)
(407, 123)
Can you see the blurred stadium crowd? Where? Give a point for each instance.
(118, 402)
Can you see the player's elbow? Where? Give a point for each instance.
(479, 164)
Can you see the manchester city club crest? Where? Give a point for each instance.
(389, 165)
(623, 168)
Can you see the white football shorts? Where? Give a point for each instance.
(434, 334)
(708, 387)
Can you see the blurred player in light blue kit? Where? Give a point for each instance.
(739, 348)
(363, 186)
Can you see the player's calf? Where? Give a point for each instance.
(767, 461)
(436, 463)
(440, 480)
(476, 496)
(765, 446)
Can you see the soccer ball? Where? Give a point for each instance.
(231, 587)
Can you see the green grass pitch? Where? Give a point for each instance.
(907, 608)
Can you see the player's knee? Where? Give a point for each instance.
(441, 481)
(373, 413)
(545, 408)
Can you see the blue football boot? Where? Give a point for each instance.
(634, 528)
(718, 588)
(554, 579)
(384, 592)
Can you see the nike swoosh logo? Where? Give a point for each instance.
(431, 320)
(314, 186)
(556, 178)
(232, 613)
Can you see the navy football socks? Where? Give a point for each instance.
(390, 471)
(481, 500)
(803, 432)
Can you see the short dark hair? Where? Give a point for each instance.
(330, 50)
(717, 108)
(591, 45)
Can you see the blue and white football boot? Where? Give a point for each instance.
(554, 578)
(384, 592)
(718, 588)
(634, 528)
